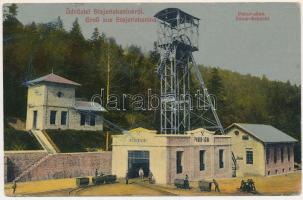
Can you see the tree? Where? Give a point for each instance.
(59, 23)
(76, 30)
(95, 35)
(10, 11)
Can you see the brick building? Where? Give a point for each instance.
(261, 149)
(51, 104)
(199, 153)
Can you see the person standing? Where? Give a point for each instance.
(96, 173)
(126, 177)
(186, 182)
(14, 187)
(150, 177)
(217, 189)
(141, 173)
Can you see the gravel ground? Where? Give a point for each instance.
(288, 184)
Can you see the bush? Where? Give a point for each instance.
(16, 140)
(77, 141)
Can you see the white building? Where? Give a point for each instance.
(261, 150)
(199, 153)
(51, 104)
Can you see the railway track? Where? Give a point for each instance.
(156, 188)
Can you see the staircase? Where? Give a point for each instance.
(45, 141)
(33, 166)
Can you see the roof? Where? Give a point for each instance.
(265, 133)
(169, 15)
(142, 130)
(89, 106)
(200, 130)
(53, 78)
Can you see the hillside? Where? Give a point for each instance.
(15, 140)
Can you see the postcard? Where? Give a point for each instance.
(151, 99)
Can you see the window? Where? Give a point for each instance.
(236, 132)
(245, 137)
(283, 170)
(221, 162)
(92, 121)
(63, 117)
(179, 161)
(276, 171)
(59, 94)
(282, 154)
(268, 172)
(201, 157)
(82, 119)
(288, 153)
(249, 157)
(267, 155)
(53, 117)
(275, 155)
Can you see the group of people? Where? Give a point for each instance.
(248, 186)
(141, 175)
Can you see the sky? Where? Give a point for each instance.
(268, 47)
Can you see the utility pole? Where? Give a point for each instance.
(107, 90)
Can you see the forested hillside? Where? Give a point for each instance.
(33, 50)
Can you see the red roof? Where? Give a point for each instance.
(53, 78)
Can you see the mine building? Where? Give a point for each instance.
(261, 149)
(51, 104)
(199, 153)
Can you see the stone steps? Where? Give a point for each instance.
(44, 141)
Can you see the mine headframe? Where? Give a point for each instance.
(178, 34)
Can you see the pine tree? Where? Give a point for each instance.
(59, 23)
(76, 30)
(95, 35)
(12, 10)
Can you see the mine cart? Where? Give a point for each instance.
(110, 178)
(104, 179)
(82, 181)
(181, 183)
(205, 186)
(98, 180)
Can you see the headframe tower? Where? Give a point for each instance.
(178, 34)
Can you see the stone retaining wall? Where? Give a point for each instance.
(15, 162)
(62, 165)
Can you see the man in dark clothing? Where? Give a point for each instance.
(217, 189)
(186, 182)
(14, 187)
(126, 178)
(96, 173)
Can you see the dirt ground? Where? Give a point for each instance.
(288, 184)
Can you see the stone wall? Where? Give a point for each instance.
(62, 165)
(15, 162)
